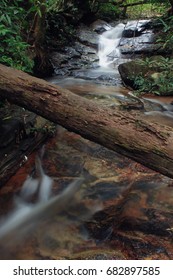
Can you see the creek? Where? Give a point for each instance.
(120, 208)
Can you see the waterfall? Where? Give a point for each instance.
(108, 50)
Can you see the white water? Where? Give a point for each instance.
(108, 50)
(27, 216)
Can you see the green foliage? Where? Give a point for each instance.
(165, 35)
(60, 6)
(158, 80)
(142, 84)
(161, 63)
(35, 7)
(58, 32)
(109, 11)
(159, 84)
(13, 49)
(72, 10)
(150, 9)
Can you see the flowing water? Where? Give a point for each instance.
(108, 49)
(35, 205)
(93, 203)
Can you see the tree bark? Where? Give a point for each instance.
(42, 65)
(127, 134)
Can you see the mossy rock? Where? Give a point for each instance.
(129, 70)
(153, 75)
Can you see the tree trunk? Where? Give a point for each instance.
(127, 134)
(42, 64)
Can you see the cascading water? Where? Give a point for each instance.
(108, 50)
(27, 215)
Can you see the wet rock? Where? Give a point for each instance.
(147, 25)
(72, 52)
(108, 79)
(21, 132)
(65, 63)
(130, 70)
(152, 105)
(87, 37)
(134, 223)
(131, 32)
(58, 59)
(98, 77)
(86, 75)
(72, 58)
(138, 45)
(137, 29)
(139, 38)
(81, 48)
(89, 58)
(100, 26)
(62, 72)
(11, 131)
(83, 54)
(152, 75)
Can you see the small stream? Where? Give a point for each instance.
(79, 200)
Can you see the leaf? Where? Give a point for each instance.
(1, 49)
(16, 12)
(39, 13)
(8, 19)
(2, 18)
(3, 32)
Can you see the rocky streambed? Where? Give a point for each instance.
(122, 210)
(82, 59)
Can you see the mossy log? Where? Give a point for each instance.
(127, 134)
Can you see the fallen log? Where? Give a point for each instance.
(127, 134)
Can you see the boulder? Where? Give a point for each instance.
(152, 75)
(131, 69)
